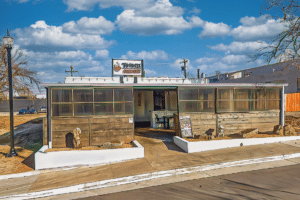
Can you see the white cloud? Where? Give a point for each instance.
(212, 30)
(206, 60)
(128, 22)
(101, 53)
(23, 1)
(161, 8)
(89, 4)
(235, 59)
(253, 21)
(265, 29)
(150, 55)
(195, 10)
(150, 72)
(251, 29)
(96, 26)
(239, 47)
(42, 35)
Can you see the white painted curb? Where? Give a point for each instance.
(199, 146)
(145, 177)
(50, 160)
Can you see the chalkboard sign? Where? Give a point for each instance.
(186, 126)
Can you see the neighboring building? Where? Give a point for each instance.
(284, 72)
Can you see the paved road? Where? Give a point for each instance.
(276, 183)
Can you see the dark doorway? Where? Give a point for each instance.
(159, 99)
(69, 140)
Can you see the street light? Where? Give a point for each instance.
(8, 42)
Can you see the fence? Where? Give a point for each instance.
(293, 102)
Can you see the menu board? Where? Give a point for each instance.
(186, 126)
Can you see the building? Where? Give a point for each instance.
(110, 108)
(284, 72)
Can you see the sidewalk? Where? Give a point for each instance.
(159, 156)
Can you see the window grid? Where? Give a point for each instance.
(252, 100)
(93, 103)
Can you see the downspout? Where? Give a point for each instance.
(49, 131)
(282, 107)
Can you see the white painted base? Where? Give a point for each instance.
(85, 157)
(191, 147)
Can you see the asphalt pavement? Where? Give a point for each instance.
(276, 183)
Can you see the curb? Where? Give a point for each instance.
(145, 177)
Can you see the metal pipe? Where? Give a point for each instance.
(282, 107)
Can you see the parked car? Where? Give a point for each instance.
(23, 111)
(43, 109)
(32, 111)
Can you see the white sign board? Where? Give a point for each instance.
(127, 67)
(186, 126)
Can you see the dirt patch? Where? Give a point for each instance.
(16, 164)
(18, 120)
(115, 145)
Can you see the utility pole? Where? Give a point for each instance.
(183, 68)
(72, 71)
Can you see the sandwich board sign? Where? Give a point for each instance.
(186, 126)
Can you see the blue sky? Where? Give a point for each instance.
(212, 35)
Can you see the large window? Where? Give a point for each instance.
(86, 102)
(228, 99)
(197, 100)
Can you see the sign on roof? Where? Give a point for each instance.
(127, 67)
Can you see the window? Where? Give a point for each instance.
(61, 95)
(123, 101)
(103, 99)
(62, 102)
(86, 102)
(225, 100)
(242, 100)
(196, 100)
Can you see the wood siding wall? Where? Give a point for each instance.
(94, 130)
(293, 102)
(203, 123)
(45, 138)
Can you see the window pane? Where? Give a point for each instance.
(123, 108)
(224, 94)
(123, 95)
(273, 94)
(206, 106)
(188, 106)
(224, 106)
(83, 95)
(272, 104)
(241, 106)
(82, 109)
(61, 95)
(103, 108)
(258, 105)
(258, 94)
(103, 95)
(188, 94)
(242, 94)
(62, 110)
(206, 94)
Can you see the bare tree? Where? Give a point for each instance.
(286, 44)
(24, 79)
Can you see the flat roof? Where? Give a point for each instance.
(140, 85)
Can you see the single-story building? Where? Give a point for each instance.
(109, 108)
